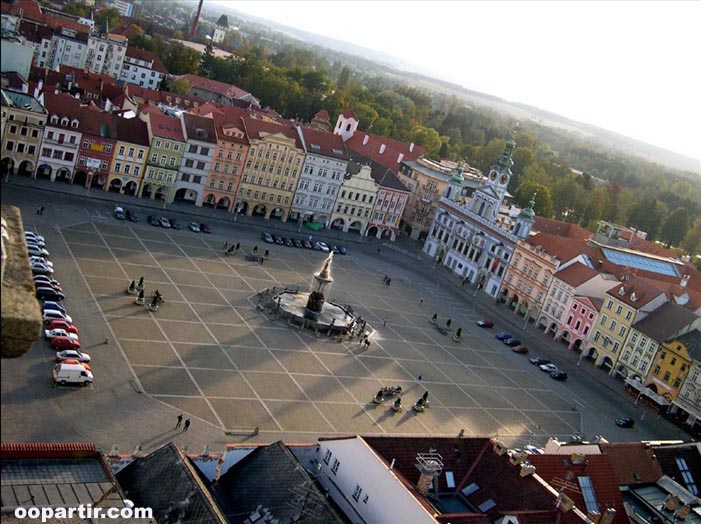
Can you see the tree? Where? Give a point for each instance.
(112, 15)
(206, 61)
(692, 241)
(443, 152)
(675, 227)
(427, 137)
(180, 86)
(543, 201)
(489, 154)
(647, 215)
(164, 85)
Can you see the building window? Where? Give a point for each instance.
(357, 492)
(588, 494)
(686, 475)
(335, 466)
(327, 456)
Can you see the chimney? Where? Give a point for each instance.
(517, 457)
(400, 157)
(500, 448)
(685, 281)
(527, 469)
(564, 503)
(366, 139)
(382, 148)
(608, 516)
(411, 147)
(38, 89)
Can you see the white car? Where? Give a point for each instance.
(40, 260)
(31, 234)
(194, 227)
(72, 353)
(548, 368)
(31, 241)
(51, 333)
(164, 222)
(37, 251)
(321, 246)
(54, 314)
(41, 268)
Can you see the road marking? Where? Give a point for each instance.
(402, 251)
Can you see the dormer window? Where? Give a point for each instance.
(633, 297)
(75, 122)
(622, 291)
(54, 119)
(64, 121)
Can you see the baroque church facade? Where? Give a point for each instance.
(470, 236)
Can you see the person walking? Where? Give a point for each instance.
(420, 378)
(421, 300)
(186, 426)
(180, 421)
(262, 259)
(384, 322)
(226, 245)
(367, 344)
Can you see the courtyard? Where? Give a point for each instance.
(210, 353)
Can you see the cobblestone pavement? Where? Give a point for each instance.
(210, 354)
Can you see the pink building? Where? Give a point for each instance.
(579, 320)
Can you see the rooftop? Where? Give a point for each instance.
(576, 274)
(634, 292)
(23, 101)
(665, 322)
(163, 126)
(323, 143)
(147, 56)
(199, 128)
(214, 86)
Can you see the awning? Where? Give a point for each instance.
(314, 226)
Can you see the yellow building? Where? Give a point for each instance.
(623, 306)
(355, 201)
(25, 119)
(688, 402)
(673, 362)
(272, 169)
(130, 154)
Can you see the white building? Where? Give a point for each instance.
(69, 47)
(142, 68)
(322, 174)
(106, 52)
(200, 143)
(220, 29)
(125, 8)
(59, 147)
(471, 237)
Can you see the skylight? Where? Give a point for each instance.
(316, 147)
(588, 494)
(337, 151)
(636, 261)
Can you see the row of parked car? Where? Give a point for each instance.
(72, 366)
(168, 223)
(272, 238)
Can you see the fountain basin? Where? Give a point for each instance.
(332, 316)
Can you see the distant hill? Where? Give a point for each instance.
(399, 69)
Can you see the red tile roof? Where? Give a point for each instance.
(214, 86)
(140, 94)
(147, 56)
(389, 157)
(31, 10)
(62, 105)
(256, 129)
(328, 144)
(223, 123)
(632, 462)
(562, 247)
(689, 298)
(195, 125)
(133, 130)
(349, 113)
(598, 468)
(642, 291)
(576, 274)
(11, 450)
(163, 126)
(562, 229)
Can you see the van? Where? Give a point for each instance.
(72, 374)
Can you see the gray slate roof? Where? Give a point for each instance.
(665, 322)
(273, 478)
(169, 483)
(692, 341)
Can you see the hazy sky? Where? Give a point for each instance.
(631, 67)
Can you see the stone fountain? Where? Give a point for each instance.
(312, 309)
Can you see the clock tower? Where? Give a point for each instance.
(489, 197)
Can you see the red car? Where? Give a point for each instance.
(485, 323)
(519, 349)
(64, 343)
(62, 324)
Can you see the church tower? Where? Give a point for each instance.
(454, 191)
(525, 220)
(346, 125)
(489, 197)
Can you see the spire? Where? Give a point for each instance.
(529, 212)
(505, 161)
(458, 178)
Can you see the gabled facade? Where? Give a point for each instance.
(25, 118)
(323, 171)
(222, 181)
(673, 361)
(96, 149)
(272, 169)
(165, 154)
(623, 306)
(129, 161)
(580, 318)
(392, 197)
(355, 201)
(62, 136)
(647, 336)
(469, 237)
(688, 402)
(200, 142)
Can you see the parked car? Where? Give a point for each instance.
(485, 323)
(64, 343)
(49, 293)
(321, 246)
(538, 361)
(49, 315)
(277, 239)
(62, 324)
(289, 242)
(44, 279)
(205, 228)
(164, 222)
(38, 239)
(297, 242)
(41, 260)
(503, 336)
(72, 354)
(174, 223)
(519, 349)
(119, 213)
(41, 269)
(625, 422)
(511, 342)
(548, 368)
(85, 365)
(53, 333)
(49, 285)
(533, 450)
(48, 304)
(559, 375)
(72, 374)
(31, 241)
(194, 227)
(37, 251)
(342, 250)
(132, 216)
(152, 220)
(267, 237)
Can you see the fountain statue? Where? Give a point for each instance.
(322, 281)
